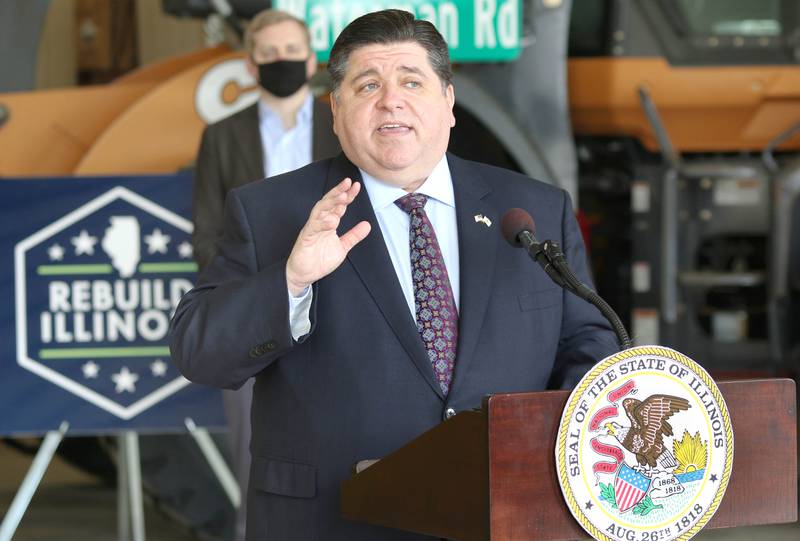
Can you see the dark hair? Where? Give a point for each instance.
(387, 27)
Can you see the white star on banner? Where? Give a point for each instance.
(56, 252)
(185, 250)
(84, 243)
(125, 380)
(158, 367)
(90, 370)
(157, 242)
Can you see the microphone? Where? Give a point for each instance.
(519, 230)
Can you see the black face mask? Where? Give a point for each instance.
(282, 78)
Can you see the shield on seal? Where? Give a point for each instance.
(630, 487)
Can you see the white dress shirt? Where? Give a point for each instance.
(394, 224)
(285, 150)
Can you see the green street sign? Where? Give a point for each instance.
(475, 30)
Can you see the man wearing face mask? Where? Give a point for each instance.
(285, 130)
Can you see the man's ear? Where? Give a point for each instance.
(251, 67)
(450, 96)
(333, 111)
(311, 64)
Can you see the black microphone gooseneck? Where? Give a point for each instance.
(518, 229)
(537, 252)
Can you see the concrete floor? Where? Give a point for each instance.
(71, 505)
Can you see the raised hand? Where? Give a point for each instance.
(318, 250)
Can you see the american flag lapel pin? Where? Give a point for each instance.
(485, 219)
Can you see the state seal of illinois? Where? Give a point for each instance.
(645, 447)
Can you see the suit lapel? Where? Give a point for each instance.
(477, 245)
(248, 138)
(372, 264)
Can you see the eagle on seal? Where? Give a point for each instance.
(645, 437)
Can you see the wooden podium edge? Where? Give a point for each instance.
(435, 485)
(763, 484)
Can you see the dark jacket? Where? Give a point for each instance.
(231, 155)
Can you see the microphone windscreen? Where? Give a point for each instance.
(514, 222)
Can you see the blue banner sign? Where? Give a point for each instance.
(93, 269)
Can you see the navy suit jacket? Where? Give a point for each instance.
(360, 385)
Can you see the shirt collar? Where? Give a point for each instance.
(269, 118)
(438, 186)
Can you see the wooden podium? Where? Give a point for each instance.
(490, 473)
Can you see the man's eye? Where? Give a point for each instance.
(268, 53)
(413, 84)
(369, 87)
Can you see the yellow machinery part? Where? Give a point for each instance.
(705, 109)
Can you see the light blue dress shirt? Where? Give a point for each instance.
(394, 224)
(285, 150)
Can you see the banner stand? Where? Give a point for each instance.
(216, 461)
(130, 507)
(31, 482)
(130, 520)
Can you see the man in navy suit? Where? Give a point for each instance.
(323, 288)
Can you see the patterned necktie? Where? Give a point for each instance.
(437, 318)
